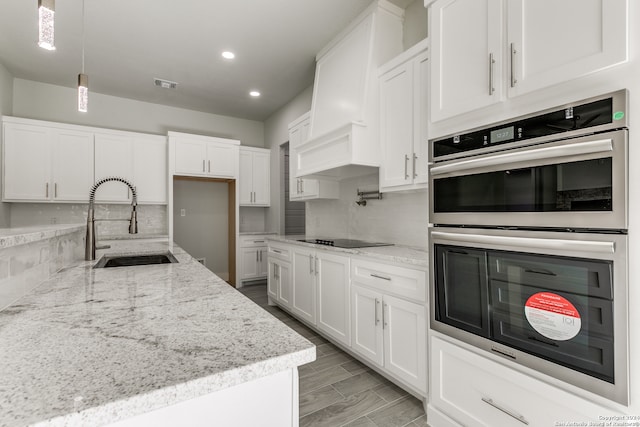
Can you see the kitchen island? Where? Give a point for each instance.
(145, 345)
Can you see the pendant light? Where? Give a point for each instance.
(83, 79)
(46, 11)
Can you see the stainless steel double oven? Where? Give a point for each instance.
(529, 241)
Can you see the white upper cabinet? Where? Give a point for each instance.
(113, 157)
(403, 118)
(466, 54)
(150, 169)
(579, 37)
(475, 63)
(46, 163)
(306, 188)
(196, 155)
(255, 176)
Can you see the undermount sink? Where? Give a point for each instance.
(133, 260)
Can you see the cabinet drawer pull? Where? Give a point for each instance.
(513, 65)
(276, 251)
(46, 190)
(491, 62)
(302, 185)
(406, 161)
(377, 319)
(384, 315)
(257, 257)
(506, 411)
(203, 166)
(316, 266)
(415, 174)
(380, 277)
(209, 166)
(310, 264)
(258, 241)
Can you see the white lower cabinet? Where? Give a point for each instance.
(304, 284)
(332, 272)
(253, 257)
(279, 281)
(392, 333)
(470, 390)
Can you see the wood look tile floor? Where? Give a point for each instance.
(337, 390)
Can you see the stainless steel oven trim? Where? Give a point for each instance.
(611, 144)
(613, 247)
(619, 103)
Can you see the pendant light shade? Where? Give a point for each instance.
(83, 92)
(46, 11)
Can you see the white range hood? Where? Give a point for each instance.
(343, 139)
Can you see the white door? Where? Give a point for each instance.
(466, 66)
(366, 324)
(261, 178)
(284, 284)
(246, 177)
(27, 162)
(405, 341)
(72, 165)
(304, 284)
(113, 158)
(262, 266)
(552, 42)
(249, 262)
(150, 169)
(333, 296)
(272, 280)
(190, 156)
(396, 126)
(222, 160)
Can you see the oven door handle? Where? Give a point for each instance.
(570, 246)
(506, 159)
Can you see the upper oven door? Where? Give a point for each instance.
(578, 183)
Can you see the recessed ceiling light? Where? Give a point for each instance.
(254, 93)
(228, 55)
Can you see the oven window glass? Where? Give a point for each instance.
(575, 186)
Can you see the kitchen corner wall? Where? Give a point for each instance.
(6, 108)
(400, 217)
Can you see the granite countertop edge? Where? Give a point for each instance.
(416, 257)
(10, 237)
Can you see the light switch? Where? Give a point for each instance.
(183, 212)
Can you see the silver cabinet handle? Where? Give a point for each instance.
(302, 185)
(46, 190)
(257, 257)
(316, 266)
(506, 411)
(491, 62)
(310, 264)
(261, 252)
(406, 161)
(276, 251)
(258, 241)
(384, 316)
(377, 319)
(55, 189)
(202, 165)
(380, 277)
(209, 161)
(513, 65)
(298, 186)
(415, 174)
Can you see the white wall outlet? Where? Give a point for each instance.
(183, 212)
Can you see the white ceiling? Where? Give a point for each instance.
(130, 42)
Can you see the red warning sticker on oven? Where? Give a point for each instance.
(553, 316)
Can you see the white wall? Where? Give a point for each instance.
(6, 108)
(415, 24)
(43, 101)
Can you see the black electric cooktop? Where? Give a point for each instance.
(345, 243)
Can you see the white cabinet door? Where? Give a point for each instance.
(272, 280)
(304, 284)
(190, 156)
(333, 296)
(246, 177)
(396, 126)
(150, 169)
(262, 266)
(222, 159)
(552, 42)
(27, 162)
(249, 263)
(261, 179)
(72, 165)
(113, 157)
(467, 63)
(421, 119)
(285, 290)
(366, 329)
(405, 336)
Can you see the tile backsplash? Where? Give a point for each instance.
(152, 219)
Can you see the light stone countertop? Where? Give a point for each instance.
(93, 346)
(22, 235)
(416, 257)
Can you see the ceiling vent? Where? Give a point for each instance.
(165, 84)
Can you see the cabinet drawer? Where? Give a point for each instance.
(477, 391)
(252, 241)
(279, 251)
(392, 279)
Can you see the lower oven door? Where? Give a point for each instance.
(571, 183)
(541, 299)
